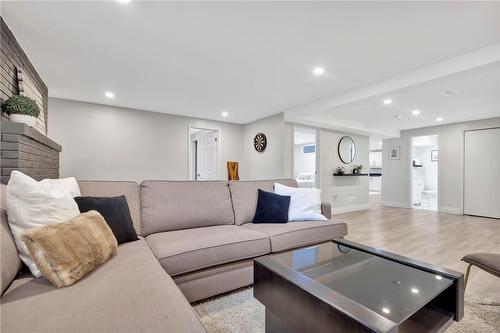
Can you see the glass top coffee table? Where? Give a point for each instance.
(342, 286)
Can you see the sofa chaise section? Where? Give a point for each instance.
(130, 293)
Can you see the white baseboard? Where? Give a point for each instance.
(355, 208)
(450, 210)
(395, 204)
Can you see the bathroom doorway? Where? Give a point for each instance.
(425, 161)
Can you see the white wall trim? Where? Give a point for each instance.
(450, 210)
(395, 204)
(355, 208)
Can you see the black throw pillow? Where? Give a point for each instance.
(116, 213)
(271, 208)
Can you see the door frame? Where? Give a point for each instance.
(190, 170)
(317, 165)
(410, 166)
(463, 151)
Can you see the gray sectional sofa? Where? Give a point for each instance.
(197, 241)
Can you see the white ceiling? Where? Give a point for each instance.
(252, 59)
(477, 97)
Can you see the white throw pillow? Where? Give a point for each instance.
(32, 204)
(305, 203)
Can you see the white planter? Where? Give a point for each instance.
(22, 118)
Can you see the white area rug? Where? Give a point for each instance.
(240, 312)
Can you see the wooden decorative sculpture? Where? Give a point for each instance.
(232, 171)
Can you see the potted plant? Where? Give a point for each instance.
(356, 169)
(339, 171)
(22, 109)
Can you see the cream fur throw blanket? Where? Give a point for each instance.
(68, 251)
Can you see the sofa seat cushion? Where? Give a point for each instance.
(301, 233)
(130, 293)
(188, 250)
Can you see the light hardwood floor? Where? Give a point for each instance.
(438, 238)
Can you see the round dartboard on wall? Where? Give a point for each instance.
(260, 142)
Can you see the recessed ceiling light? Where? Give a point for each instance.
(439, 119)
(380, 143)
(414, 290)
(318, 71)
(439, 277)
(398, 116)
(386, 310)
(415, 112)
(109, 94)
(224, 114)
(387, 101)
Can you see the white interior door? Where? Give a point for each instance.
(482, 173)
(207, 156)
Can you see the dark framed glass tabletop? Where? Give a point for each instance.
(386, 286)
(344, 286)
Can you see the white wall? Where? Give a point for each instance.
(343, 193)
(274, 161)
(109, 143)
(396, 180)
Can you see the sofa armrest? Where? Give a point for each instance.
(326, 210)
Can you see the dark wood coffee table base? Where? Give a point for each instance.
(295, 303)
(291, 309)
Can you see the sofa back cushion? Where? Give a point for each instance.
(175, 205)
(9, 257)
(244, 196)
(113, 189)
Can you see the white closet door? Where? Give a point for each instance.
(482, 173)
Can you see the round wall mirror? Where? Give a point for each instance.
(347, 149)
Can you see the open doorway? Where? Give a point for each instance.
(305, 156)
(425, 159)
(203, 154)
(375, 171)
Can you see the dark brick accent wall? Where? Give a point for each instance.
(25, 149)
(22, 147)
(11, 57)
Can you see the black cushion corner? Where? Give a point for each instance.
(271, 208)
(116, 213)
